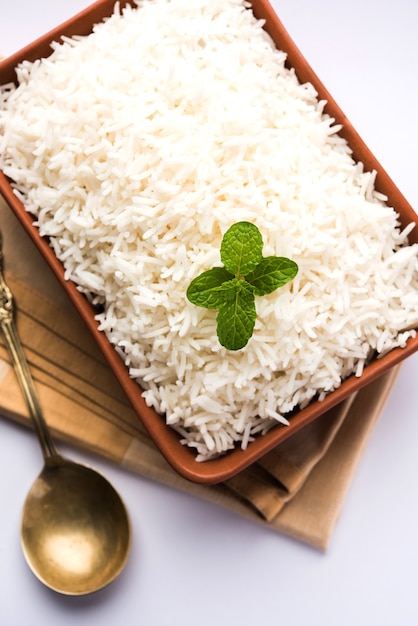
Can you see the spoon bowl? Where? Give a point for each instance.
(75, 530)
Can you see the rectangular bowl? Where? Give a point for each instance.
(180, 457)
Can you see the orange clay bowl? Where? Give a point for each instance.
(180, 457)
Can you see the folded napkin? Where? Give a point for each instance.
(297, 489)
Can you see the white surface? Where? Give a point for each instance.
(191, 562)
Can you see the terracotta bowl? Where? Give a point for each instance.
(180, 457)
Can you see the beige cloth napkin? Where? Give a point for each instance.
(297, 489)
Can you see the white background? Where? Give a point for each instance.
(192, 563)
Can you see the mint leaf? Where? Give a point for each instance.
(204, 289)
(236, 316)
(232, 289)
(241, 248)
(271, 273)
(229, 289)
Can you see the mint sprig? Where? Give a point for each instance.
(231, 289)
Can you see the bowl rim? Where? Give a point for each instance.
(180, 457)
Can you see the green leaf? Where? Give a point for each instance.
(241, 248)
(229, 288)
(236, 316)
(204, 289)
(271, 273)
(232, 289)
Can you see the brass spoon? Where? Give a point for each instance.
(75, 530)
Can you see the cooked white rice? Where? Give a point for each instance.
(138, 146)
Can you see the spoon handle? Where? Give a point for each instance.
(21, 366)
